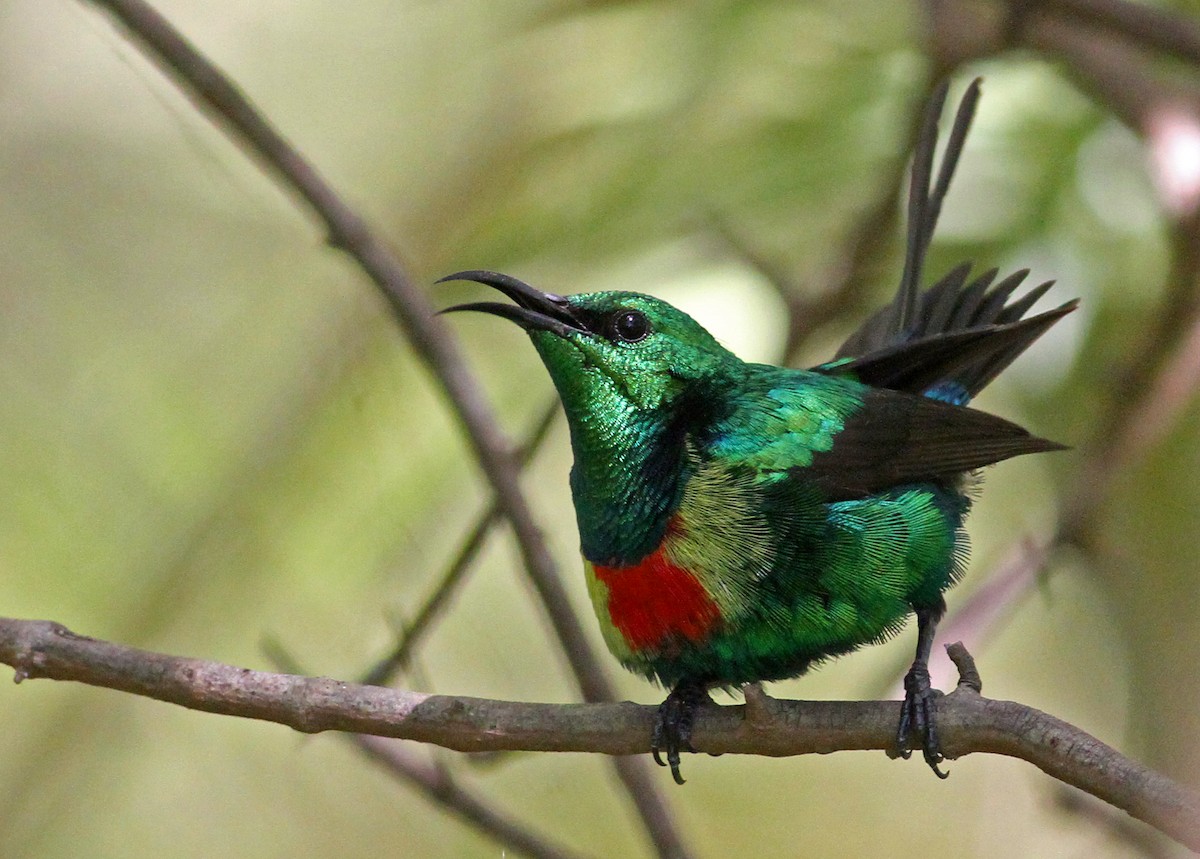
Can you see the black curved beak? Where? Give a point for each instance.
(534, 310)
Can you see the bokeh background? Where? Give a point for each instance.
(214, 440)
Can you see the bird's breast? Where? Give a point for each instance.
(652, 605)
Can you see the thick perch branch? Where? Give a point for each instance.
(968, 721)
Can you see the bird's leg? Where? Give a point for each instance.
(673, 727)
(917, 713)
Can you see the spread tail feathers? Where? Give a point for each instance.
(952, 340)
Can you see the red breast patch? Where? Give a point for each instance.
(655, 600)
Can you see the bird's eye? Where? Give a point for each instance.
(630, 326)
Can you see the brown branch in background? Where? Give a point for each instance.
(434, 780)
(438, 601)
(1158, 29)
(438, 783)
(967, 721)
(215, 94)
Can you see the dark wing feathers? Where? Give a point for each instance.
(897, 438)
(969, 299)
(998, 297)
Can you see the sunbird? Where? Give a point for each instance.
(742, 522)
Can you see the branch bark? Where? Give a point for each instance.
(968, 722)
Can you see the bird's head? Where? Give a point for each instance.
(610, 349)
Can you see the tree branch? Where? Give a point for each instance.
(968, 722)
(439, 784)
(415, 630)
(1161, 29)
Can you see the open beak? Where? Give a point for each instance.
(534, 310)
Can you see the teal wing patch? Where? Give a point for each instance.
(782, 422)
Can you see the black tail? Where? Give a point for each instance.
(953, 339)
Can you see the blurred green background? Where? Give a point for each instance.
(212, 434)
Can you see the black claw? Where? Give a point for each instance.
(673, 727)
(918, 716)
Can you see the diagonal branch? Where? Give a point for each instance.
(1161, 29)
(214, 93)
(234, 114)
(436, 782)
(968, 722)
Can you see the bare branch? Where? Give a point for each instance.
(235, 115)
(437, 783)
(968, 722)
(1153, 27)
(214, 93)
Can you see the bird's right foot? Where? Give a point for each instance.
(673, 727)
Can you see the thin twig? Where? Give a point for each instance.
(216, 94)
(967, 722)
(439, 784)
(439, 599)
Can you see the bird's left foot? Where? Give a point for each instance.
(918, 716)
(673, 727)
